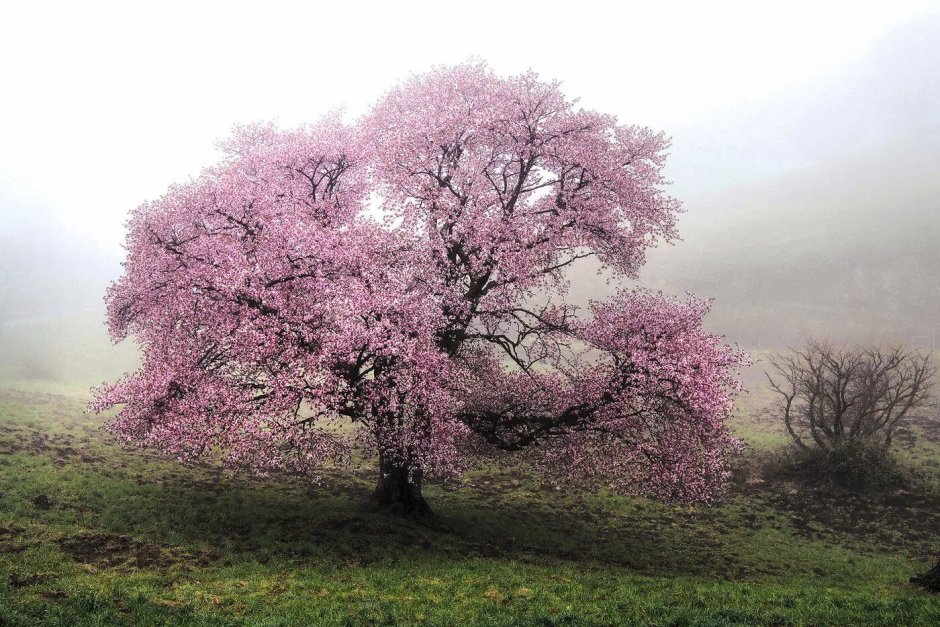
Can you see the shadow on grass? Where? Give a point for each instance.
(119, 507)
(116, 508)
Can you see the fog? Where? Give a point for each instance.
(833, 226)
(816, 211)
(811, 188)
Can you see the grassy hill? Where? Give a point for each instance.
(93, 534)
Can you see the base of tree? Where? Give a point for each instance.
(399, 492)
(418, 508)
(929, 580)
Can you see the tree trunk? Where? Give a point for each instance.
(399, 491)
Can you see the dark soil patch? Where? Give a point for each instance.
(107, 551)
(21, 439)
(113, 551)
(8, 537)
(889, 519)
(905, 519)
(20, 580)
(63, 454)
(53, 595)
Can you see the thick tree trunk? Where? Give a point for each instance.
(399, 491)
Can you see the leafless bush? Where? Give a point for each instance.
(843, 406)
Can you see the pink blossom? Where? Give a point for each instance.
(407, 273)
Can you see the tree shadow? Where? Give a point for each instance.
(198, 514)
(138, 510)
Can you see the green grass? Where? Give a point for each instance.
(130, 538)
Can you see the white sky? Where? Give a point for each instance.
(104, 105)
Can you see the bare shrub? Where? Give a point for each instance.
(842, 407)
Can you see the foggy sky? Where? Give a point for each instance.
(805, 137)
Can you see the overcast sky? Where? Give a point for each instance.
(104, 105)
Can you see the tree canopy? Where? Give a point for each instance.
(407, 273)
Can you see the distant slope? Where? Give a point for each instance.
(72, 349)
(819, 210)
(849, 248)
(52, 287)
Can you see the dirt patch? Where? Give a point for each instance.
(62, 448)
(62, 454)
(21, 580)
(22, 439)
(125, 552)
(8, 537)
(889, 519)
(53, 596)
(107, 551)
(42, 502)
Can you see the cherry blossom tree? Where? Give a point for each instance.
(407, 274)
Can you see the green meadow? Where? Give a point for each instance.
(95, 534)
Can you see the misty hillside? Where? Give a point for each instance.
(51, 301)
(833, 227)
(848, 249)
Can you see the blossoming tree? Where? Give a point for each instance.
(407, 273)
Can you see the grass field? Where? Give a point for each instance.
(91, 534)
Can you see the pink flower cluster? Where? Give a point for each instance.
(407, 273)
